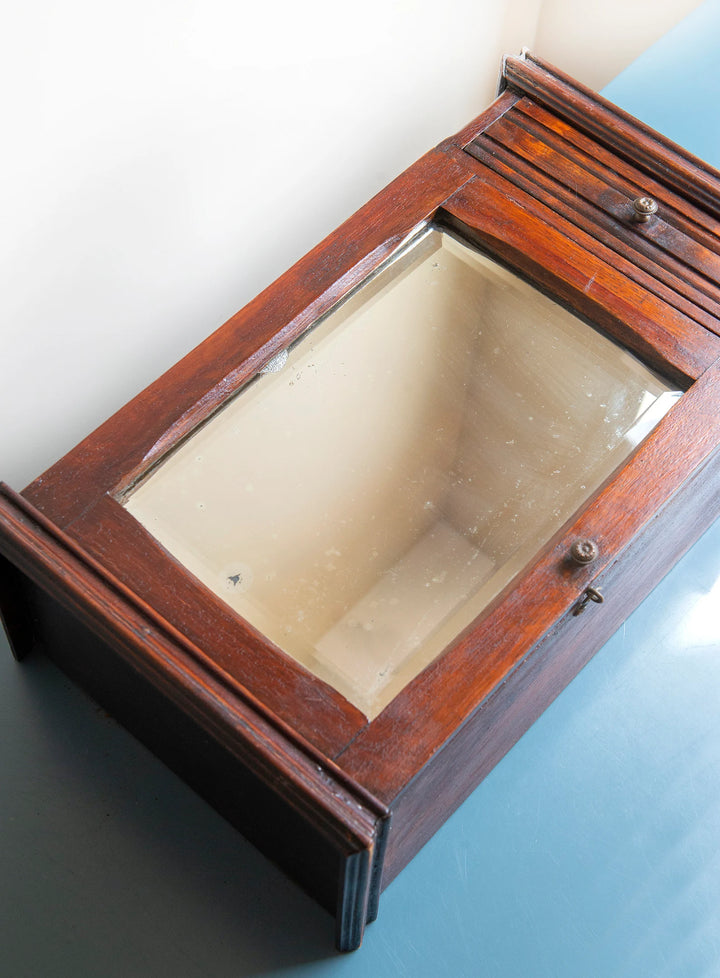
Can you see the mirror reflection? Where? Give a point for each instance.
(361, 503)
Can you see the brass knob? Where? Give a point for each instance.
(584, 551)
(643, 209)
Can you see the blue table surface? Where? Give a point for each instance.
(591, 850)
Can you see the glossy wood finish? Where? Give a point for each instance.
(612, 128)
(543, 181)
(674, 255)
(535, 240)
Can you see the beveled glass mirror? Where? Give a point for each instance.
(365, 497)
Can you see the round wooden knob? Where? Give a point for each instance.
(584, 551)
(644, 208)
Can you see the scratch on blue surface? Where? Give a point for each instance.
(461, 860)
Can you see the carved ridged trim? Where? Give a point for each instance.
(601, 174)
(673, 257)
(651, 152)
(353, 888)
(697, 222)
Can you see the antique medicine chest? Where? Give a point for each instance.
(335, 562)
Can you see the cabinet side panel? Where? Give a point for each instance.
(453, 773)
(219, 777)
(15, 610)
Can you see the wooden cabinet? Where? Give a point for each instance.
(336, 561)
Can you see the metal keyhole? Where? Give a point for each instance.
(591, 594)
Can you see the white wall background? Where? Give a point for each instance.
(163, 161)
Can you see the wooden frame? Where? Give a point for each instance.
(543, 181)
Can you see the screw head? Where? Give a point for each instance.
(584, 551)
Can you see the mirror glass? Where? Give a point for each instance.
(363, 500)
